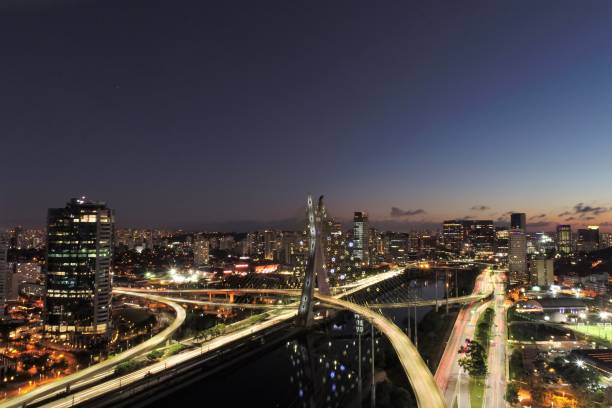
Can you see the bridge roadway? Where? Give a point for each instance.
(419, 379)
(425, 389)
(102, 370)
(105, 368)
(398, 305)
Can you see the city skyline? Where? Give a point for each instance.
(208, 114)
(581, 216)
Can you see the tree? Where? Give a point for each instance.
(512, 393)
(474, 361)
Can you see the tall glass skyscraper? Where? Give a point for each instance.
(361, 237)
(78, 274)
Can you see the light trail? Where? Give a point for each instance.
(426, 390)
(448, 375)
(90, 374)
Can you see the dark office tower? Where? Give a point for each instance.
(78, 281)
(564, 239)
(482, 237)
(518, 221)
(453, 235)
(588, 239)
(360, 237)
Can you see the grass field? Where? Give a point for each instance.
(477, 386)
(601, 332)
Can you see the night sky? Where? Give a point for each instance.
(196, 113)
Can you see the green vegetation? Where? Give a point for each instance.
(512, 393)
(155, 355)
(537, 332)
(483, 328)
(174, 349)
(517, 369)
(477, 387)
(579, 376)
(598, 333)
(129, 366)
(474, 362)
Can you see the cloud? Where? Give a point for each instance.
(570, 219)
(588, 218)
(539, 224)
(479, 208)
(537, 217)
(583, 210)
(399, 213)
(564, 214)
(467, 217)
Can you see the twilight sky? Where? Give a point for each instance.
(188, 113)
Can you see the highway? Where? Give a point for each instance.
(428, 393)
(449, 377)
(116, 383)
(105, 368)
(496, 377)
(425, 388)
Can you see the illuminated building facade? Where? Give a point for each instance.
(453, 235)
(361, 237)
(78, 280)
(542, 272)
(564, 239)
(482, 237)
(4, 271)
(337, 257)
(502, 237)
(201, 251)
(517, 258)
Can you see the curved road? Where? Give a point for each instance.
(426, 390)
(86, 375)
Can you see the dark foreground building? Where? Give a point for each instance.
(78, 280)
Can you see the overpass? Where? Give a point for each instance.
(415, 369)
(427, 393)
(105, 368)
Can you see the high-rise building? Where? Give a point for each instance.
(270, 245)
(397, 246)
(564, 239)
(518, 221)
(4, 271)
(588, 239)
(517, 258)
(78, 273)
(337, 257)
(542, 272)
(482, 237)
(502, 244)
(201, 251)
(605, 240)
(361, 237)
(22, 274)
(453, 235)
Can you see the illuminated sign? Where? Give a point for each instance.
(266, 268)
